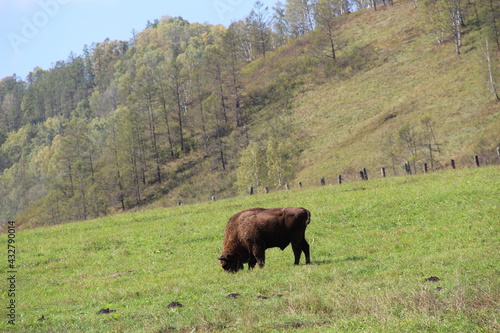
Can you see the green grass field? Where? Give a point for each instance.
(373, 245)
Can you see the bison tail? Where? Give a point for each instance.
(308, 216)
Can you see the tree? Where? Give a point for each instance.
(17, 144)
(280, 24)
(102, 57)
(34, 104)
(109, 177)
(73, 170)
(299, 16)
(16, 193)
(391, 151)
(177, 82)
(446, 16)
(131, 156)
(12, 90)
(327, 19)
(437, 17)
(495, 13)
(217, 129)
(258, 25)
(146, 99)
(244, 40)
(214, 64)
(271, 161)
(455, 11)
(430, 138)
(234, 60)
(490, 70)
(252, 167)
(165, 104)
(488, 16)
(282, 151)
(409, 139)
(282, 161)
(200, 95)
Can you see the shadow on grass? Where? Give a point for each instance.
(354, 258)
(326, 261)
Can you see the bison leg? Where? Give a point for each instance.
(259, 254)
(297, 250)
(300, 246)
(251, 262)
(261, 261)
(305, 248)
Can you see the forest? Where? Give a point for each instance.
(184, 111)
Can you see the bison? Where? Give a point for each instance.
(250, 232)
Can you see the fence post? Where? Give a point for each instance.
(407, 168)
(365, 174)
(250, 190)
(453, 164)
(266, 190)
(339, 179)
(476, 160)
(382, 171)
(425, 168)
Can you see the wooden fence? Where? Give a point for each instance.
(364, 176)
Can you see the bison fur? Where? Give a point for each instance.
(250, 232)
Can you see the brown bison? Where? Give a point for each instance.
(250, 232)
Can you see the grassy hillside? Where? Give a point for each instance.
(391, 72)
(373, 245)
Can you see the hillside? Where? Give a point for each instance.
(354, 123)
(351, 121)
(401, 254)
(390, 72)
(186, 112)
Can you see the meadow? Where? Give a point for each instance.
(374, 246)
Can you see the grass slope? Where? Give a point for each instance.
(405, 76)
(390, 72)
(373, 244)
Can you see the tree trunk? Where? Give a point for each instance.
(490, 74)
(495, 27)
(152, 131)
(456, 21)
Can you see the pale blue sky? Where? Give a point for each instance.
(41, 32)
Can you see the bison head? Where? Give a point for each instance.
(230, 263)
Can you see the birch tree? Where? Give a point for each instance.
(252, 170)
(491, 80)
(455, 12)
(300, 16)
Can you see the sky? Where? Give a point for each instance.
(37, 33)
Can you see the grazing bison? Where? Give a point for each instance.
(250, 232)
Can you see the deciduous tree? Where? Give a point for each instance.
(258, 25)
(409, 139)
(299, 16)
